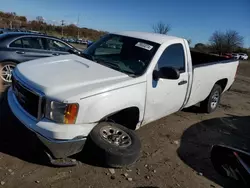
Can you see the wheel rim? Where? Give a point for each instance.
(115, 136)
(6, 72)
(215, 99)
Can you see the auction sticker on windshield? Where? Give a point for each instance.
(144, 45)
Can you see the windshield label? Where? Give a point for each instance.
(144, 45)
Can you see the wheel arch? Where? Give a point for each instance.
(222, 83)
(9, 60)
(128, 117)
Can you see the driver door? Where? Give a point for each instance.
(166, 96)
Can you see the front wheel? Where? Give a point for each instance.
(114, 145)
(210, 104)
(6, 72)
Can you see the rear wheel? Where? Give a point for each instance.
(210, 104)
(6, 72)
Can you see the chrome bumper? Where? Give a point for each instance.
(62, 149)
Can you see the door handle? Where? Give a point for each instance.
(20, 52)
(182, 82)
(55, 54)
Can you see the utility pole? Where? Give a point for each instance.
(78, 27)
(62, 26)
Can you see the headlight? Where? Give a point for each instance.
(61, 112)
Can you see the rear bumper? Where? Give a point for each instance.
(60, 140)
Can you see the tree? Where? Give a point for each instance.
(199, 45)
(233, 40)
(161, 28)
(202, 48)
(225, 42)
(23, 18)
(40, 19)
(11, 19)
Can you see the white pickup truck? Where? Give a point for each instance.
(128, 78)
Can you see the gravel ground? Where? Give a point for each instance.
(175, 149)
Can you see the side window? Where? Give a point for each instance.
(32, 42)
(16, 44)
(56, 45)
(173, 56)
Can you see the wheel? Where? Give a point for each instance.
(6, 71)
(114, 145)
(210, 104)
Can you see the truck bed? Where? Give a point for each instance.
(199, 58)
(207, 70)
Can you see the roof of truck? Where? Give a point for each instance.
(154, 37)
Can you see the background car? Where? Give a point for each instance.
(227, 55)
(236, 56)
(243, 56)
(17, 47)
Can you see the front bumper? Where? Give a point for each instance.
(62, 149)
(60, 140)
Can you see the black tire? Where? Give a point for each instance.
(3, 65)
(112, 155)
(206, 105)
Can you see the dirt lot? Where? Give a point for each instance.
(175, 149)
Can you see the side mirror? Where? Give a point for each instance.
(166, 73)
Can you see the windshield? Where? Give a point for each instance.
(125, 54)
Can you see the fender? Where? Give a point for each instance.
(95, 108)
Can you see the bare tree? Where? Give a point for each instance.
(233, 40)
(161, 28)
(225, 42)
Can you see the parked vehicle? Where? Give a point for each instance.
(7, 30)
(243, 56)
(17, 47)
(113, 91)
(81, 41)
(227, 55)
(232, 163)
(236, 56)
(65, 39)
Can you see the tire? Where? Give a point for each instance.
(113, 155)
(6, 68)
(208, 105)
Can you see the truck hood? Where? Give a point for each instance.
(66, 76)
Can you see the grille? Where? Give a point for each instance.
(28, 99)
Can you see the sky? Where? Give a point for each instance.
(190, 19)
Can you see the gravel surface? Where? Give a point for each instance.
(175, 149)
